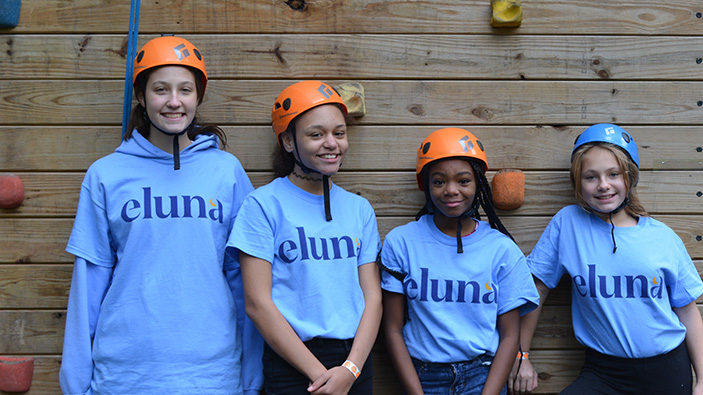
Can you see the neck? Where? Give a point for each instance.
(449, 225)
(165, 141)
(621, 219)
(309, 182)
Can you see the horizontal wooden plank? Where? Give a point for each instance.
(396, 193)
(525, 147)
(99, 102)
(31, 331)
(361, 16)
(27, 286)
(34, 286)
(33, 240)
(556, 370)
(364, 56)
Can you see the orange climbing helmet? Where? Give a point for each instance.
(169, 51)
(448, 143)
(298, 98)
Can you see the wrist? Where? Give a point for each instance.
(523, 355)
(352, 368)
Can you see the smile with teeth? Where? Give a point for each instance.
(172, 115)
(329, 156)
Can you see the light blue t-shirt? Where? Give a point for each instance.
(168, 322)
(454, 299)
(314, 262)
(621, 302)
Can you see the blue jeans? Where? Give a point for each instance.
(458, 378)
(282, 378)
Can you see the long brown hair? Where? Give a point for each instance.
(627, 167)
(139, 120)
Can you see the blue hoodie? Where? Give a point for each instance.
(149, 287)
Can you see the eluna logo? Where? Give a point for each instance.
(445, 290)
(186, 206)
(594, 285)
(306, 248)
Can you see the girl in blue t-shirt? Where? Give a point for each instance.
(307, 249)
(453, 284)
(633, 285)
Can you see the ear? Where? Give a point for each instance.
(287, 141)
(140, 99)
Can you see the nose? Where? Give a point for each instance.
(603, 184)
(330, 141)
(451, 188)
(174, 101)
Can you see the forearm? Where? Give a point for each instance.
(370, 319)
(402, 362)
(505, 354)
(690, 317)
(528, 322)
(393, 320)
(281, 337)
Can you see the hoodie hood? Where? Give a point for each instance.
(140, 147)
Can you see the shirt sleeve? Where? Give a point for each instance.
(543, 261)
(88, 288)
(372, 240)
(392, 267)
(688, 285)
(91, 236)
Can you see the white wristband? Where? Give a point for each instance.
(351, 366)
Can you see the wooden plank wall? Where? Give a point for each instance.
(526, 92)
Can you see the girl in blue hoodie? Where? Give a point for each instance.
(152, 301)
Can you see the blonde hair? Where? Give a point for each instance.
(627, 167)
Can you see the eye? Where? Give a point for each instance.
(340, 133)
(465, 181)
(437, 182)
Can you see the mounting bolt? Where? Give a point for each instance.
(699, 193)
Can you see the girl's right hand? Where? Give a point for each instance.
(524, 380)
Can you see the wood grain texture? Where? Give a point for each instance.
(35, 240)
(396, 193)
(372, 147)
(373, 56)
(405, 102)
(647, 17)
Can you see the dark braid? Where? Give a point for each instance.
(485, 198)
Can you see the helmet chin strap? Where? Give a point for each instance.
(612, 225)
(325, 179)
(431, 209)
(176, 145)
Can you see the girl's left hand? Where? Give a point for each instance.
(335, 381)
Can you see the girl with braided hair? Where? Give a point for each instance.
(454, 286)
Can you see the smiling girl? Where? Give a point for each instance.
(307, 250)
(453, 284)
(633, 285)
(151, 307)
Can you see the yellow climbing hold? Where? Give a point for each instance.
(506, 13)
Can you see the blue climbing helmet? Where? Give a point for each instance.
(609, 133)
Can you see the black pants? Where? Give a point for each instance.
(666, 374)
(280, 378)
